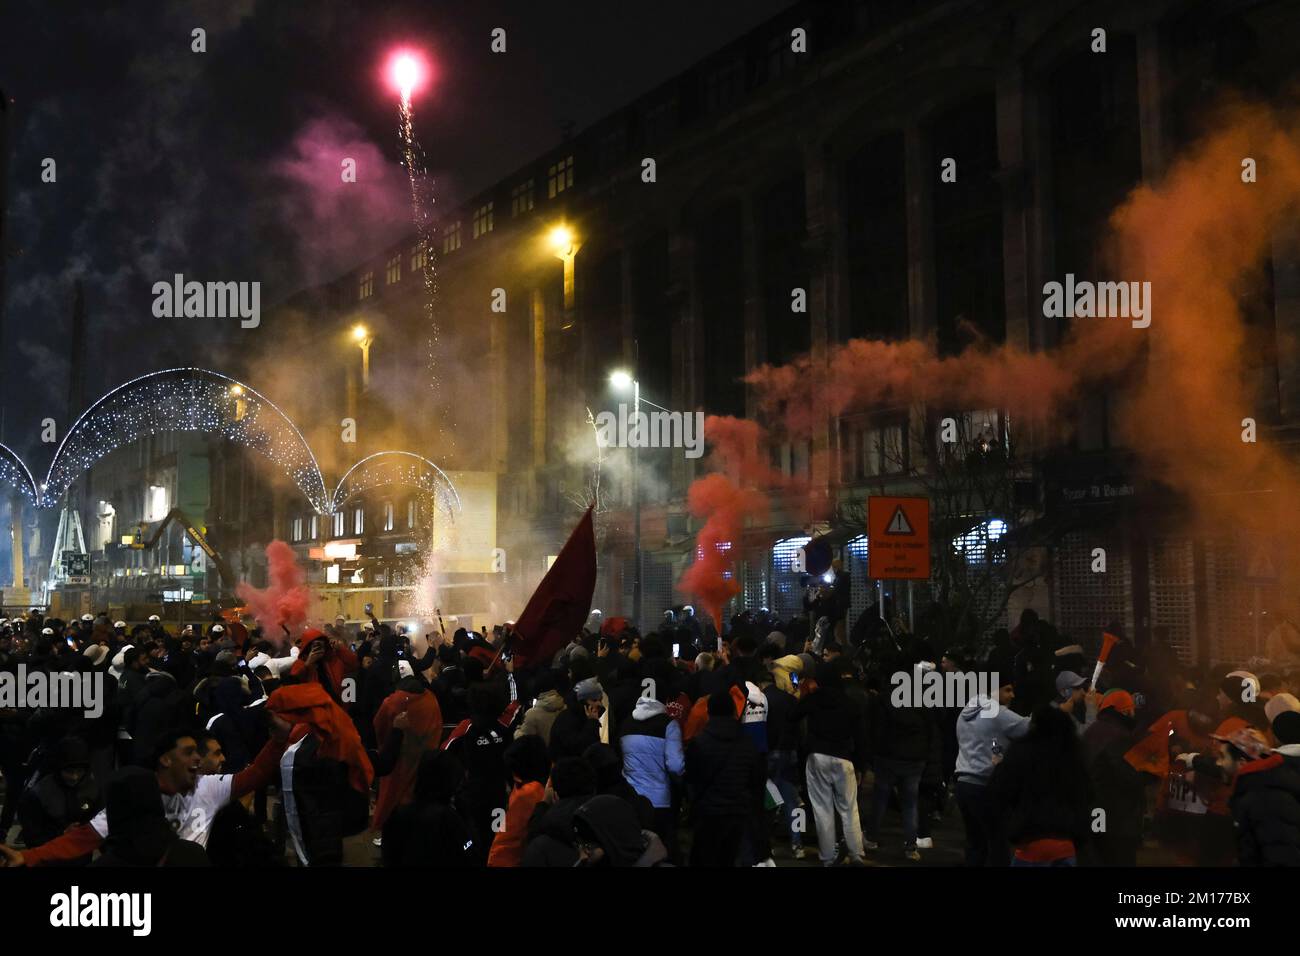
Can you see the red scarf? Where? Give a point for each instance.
(424, 733)
(311, 710)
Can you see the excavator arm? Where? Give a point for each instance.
(195, 535)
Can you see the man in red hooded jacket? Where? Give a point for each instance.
(324, 660)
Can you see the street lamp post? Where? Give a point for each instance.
(621, 380)
(361, 335)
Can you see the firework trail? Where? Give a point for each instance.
(407, 72)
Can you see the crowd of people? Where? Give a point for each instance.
(773, 740)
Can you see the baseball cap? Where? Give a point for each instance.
(1067, 682)
(154, 619)
(588, 689)
(119, 624)
(87, 618)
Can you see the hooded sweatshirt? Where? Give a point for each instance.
(541, 716)
(652, 749)
(976, 735)
(612, 823)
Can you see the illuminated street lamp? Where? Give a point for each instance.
(361, 335)
(565, 247)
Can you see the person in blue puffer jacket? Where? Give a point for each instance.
(651, 743)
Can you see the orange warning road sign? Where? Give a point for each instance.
(898, 537)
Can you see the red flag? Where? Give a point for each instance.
(560, 605)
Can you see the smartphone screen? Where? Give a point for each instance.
(677, 650)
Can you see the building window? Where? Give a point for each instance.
(483, 219)
(451, 238)
(393, 273)
(297, 529)
(410, 513)
(724, 86)
(419, 256)
(388, 516)
(313, 528)
(559, 177)
(358, 521)
(521, 199)
(338, 524)
(366, 287)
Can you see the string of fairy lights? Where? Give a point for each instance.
(398, 468)
(201, 400)
(15, 473)
(186, 400)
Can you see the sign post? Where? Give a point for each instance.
(898, 538)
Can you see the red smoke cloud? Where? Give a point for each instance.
(286, 602)
(1179, 390)
(725, 507)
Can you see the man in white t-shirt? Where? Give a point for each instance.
(190, 799)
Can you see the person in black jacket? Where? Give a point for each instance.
(838, 749)
(67, 796)
(550, 831)
(606, 833)
(903, 739)
(429, 831)
(1265, 799)
(1040, 791)
(1119, 788)
(726, 776)
(577, 727)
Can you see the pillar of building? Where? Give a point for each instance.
(1019, 299)
(687, 336)
(920, 175)
(538, 306)
(822, 214)
(1151, 101)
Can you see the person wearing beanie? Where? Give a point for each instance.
(651, 744)
(1120, 789)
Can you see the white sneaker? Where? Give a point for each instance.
(378, 841)
(768, 862)
(925, 843)
(798, 853)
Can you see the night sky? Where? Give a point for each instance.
(224, 165)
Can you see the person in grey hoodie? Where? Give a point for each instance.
(984, 734)
(541, 716)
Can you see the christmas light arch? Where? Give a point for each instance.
(184, 399)
(397, 468)
(14, 471)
